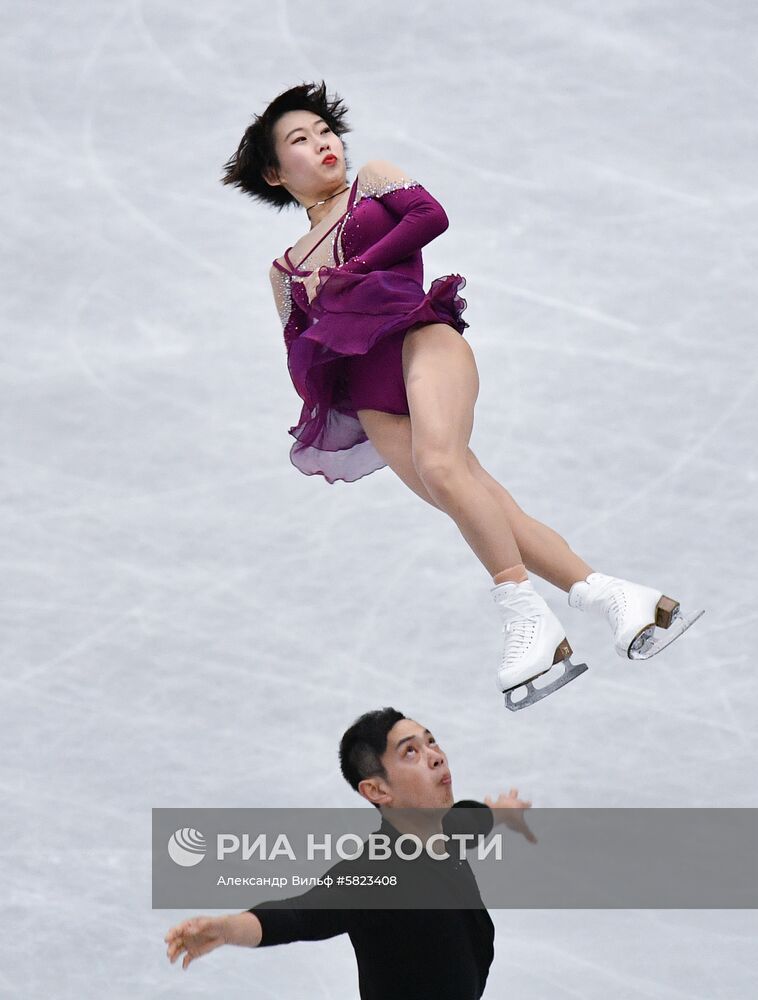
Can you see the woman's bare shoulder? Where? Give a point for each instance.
(297, 248)
(376, 177)
(384, 168)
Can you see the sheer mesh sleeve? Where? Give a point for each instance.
(292, 318)
(420, 217)
(280, 285)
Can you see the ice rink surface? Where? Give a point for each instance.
(189, 621)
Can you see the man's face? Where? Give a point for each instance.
(417, 773)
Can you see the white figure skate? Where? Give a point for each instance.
(534, 642)
(633, 612)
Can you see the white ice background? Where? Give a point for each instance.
(189, 621)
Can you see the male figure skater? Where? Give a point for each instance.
(394, 763)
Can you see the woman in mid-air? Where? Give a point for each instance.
(387, 378)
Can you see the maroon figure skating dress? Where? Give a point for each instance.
(344, 349)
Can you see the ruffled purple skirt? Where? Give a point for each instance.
(351, 314)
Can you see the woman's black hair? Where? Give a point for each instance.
(257, 151)
(364, 743)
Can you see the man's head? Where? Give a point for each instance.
(395, 762)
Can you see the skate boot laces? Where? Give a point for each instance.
(520, 636)
(611, 601)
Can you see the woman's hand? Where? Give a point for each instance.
(314, 281)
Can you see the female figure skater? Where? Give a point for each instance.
(387, 378)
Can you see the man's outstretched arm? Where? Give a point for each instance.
(308, 917)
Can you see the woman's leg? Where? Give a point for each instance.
(442, 384)
(543, 550)
(390, 434)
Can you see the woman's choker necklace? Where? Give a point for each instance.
(327, 199)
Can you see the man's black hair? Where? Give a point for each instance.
(257, 150)
(363, 744)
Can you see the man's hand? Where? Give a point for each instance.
(512, 814)
(200, 935)
(196, 937)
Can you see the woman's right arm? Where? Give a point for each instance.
(280, 288)
(293, 319)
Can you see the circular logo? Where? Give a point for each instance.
(186, 847)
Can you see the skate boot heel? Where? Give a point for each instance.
(634, 613)
(562, 652)
(665, 612)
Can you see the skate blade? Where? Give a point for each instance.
(534, 694)
(653, 640)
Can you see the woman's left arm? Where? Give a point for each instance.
(420, 217)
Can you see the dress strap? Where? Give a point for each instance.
(296, 269)
(291, 269)
(353, 193)
(287, 258)
(317, 245)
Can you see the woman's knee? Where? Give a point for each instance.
(473, 462)
(439, 470)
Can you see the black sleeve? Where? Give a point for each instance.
(282, 924)
(310, 916)
(474, 817)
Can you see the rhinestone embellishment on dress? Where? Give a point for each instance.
(332, 253)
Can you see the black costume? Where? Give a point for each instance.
(411, 954)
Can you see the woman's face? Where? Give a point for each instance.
(303, 141)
